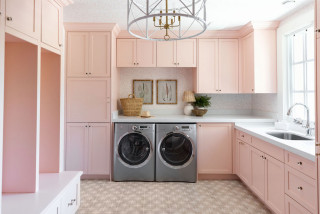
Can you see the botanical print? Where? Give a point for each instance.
(167, 92)
(143, 89)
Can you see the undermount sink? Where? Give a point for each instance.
(287, 136)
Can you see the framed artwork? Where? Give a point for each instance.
(143, 89)
(167, 91)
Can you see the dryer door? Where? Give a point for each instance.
(176, 150)
(134, 149)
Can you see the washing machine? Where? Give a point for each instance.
(176, 152)
(134, 153)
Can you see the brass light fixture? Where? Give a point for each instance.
(147, 20)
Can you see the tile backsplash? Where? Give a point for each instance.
(221, 103)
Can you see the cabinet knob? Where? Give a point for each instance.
(134, 63)
(300, 188)
(299, 163)
(86, 126)
(317, 31)
(137, 63)
(9, 18)
(86, 73)
(90, 73)
(60, 45)
(178, 63)
(252, 90)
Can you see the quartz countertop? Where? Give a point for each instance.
(304, 148)
(192, 119)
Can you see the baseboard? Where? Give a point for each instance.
(95, 177)
(218, 177)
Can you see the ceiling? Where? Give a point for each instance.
(223, 14)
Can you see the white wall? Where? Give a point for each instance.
(296, 21)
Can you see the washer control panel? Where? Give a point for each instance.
(140, 127)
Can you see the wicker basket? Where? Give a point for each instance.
(131, 106)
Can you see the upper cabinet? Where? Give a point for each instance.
(136, 53)
(258, 73)
(218, 66)
(88, 54)
(23, 16)
(51, 25)
(182, 53)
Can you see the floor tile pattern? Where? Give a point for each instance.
(204, 197)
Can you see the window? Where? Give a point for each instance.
(301, 72)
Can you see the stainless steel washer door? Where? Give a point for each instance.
(176, 150)
(134, 149)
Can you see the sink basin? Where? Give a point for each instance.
(287, 136)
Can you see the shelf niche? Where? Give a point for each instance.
(50, 112)
(20, 147)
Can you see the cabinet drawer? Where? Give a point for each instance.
(71, 198)
(55, 208)
(301, 188)
(303, 165)
(244, 137)
(269, 149)
(293, 207)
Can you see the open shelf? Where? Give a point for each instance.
(50, 112)
(20, 147)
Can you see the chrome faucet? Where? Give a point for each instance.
(307, 126)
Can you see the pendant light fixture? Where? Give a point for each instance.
(166, 20)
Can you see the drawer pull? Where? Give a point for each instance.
(299, 163)
(300, 188)
(9, 19)
(73, 200)
(242, 135)
(70, 204)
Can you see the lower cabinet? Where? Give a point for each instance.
(263, 174)
(293, 207)
(244, 162)
(88, 148)
(215, 148)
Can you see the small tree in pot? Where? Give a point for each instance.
(201, 104)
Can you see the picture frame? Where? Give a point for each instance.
(143, 89)
(167, 92)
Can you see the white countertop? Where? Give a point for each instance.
(303, 148)
(192, 119)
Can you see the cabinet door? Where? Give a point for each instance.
(248, 64)
(244, 162)
(146, 53)
(229, 66)
(318, 17)
(99, 54)
(293, 207)
(77, 54)
(88, 100)
(257, 172)
(126, 52)
(275, 184)
(186, 53)
(50, 27)
(23, 16)
(166, 54)
(99, 149)
(215, 148)
(76, 147)
(207, 74)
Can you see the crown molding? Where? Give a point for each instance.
(255, 25)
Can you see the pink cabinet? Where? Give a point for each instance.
(214, 148)
(51, 23)
(88, 54)
(208, 66)
(293, 207)
(218, 66)
(257, 172)
(23, 17)
(244, 162)
(76, 147)
(274, 184)
(182, 53)
(88, 148)
(258, 56)
(88, 100)
(77, 54)
(318, 17)
(136, 53)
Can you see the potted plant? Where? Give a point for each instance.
(201, 105)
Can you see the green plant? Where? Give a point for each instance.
(202, 101)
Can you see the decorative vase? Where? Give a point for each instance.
(188, 109)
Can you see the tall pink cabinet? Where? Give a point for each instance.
(88, 98)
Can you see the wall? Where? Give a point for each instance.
(265, 105)
(296, 21)
(221, 104)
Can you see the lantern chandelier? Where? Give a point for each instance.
(166, 20)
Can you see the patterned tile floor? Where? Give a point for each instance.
(204, 197)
